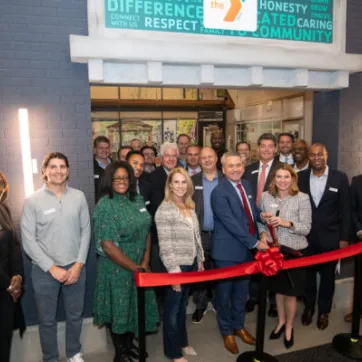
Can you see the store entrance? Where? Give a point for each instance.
(156, 115)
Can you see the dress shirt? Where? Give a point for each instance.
(318, 185)
(167, 171)
(193, 171)
(296, 169)
(239, 195)
(286, 159)
(208, 186)
(56, 231)
(267, 170)
(138, 187)
(102, 165)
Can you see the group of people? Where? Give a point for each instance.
(202, 208)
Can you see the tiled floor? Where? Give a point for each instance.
(206, 339)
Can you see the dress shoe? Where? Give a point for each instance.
(323, 321)
(348, 318)
(276, 335)
(272, 312)
(198, 315)
(230, 344)
(307, 316)
(289, 344)
(250, 306)
(245, 336)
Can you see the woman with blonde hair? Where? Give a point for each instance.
(292, 221)
(180, 251)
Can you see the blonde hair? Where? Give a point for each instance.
(294, 187)
(190, 188)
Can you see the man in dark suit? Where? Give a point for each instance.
(158, 178)
(102, 150)
(300, 156)
(204, 182)
(143, 187)
(259, 174)
(356, 208)
(285, 147)
(235, 217)
(329, 193)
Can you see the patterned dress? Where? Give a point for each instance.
(127, 224)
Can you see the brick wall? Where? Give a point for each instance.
(36, 73)
(350, 123)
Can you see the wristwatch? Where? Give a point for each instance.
(291, 225)
(141, 270)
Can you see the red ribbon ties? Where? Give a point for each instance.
(270, 261)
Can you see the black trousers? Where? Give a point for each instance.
(7, 313)
(327, 273)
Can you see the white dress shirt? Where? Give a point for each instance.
(318, 185)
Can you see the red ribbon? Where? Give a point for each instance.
(159, 279)
(269, 261)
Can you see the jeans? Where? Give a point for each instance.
(174, 319)
(231, 295)
(46, 291)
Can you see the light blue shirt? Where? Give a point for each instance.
(208, 186)
(196, 170)
(286, 159)
(318, 185)
(101, 164)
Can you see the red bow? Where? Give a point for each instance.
(269, 261)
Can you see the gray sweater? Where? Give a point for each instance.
(179, 240)
(56, 232)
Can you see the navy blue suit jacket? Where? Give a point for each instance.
(231, 238)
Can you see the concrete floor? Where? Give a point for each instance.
(206, 340)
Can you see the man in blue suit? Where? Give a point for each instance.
(235, 234)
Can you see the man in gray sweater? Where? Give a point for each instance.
(55, 228)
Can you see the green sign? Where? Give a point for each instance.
(298, 20)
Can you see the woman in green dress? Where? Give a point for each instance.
(121, 233)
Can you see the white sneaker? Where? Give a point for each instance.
(77, 358)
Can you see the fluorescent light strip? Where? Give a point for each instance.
(26, 151)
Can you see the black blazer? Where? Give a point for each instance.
(356, 204)
(146, 192)
(198, 196)
(331, 218)
(252, 172)
(11, 263)
(98, 174)
(158, 180)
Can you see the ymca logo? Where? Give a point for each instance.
(231, 14)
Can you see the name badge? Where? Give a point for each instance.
(255, 171)
(96, 176)
(333, 189)
(50, 211)
(250, 196)
(143, 210)
(199, 187)
(147, 202)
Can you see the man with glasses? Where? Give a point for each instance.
(149, 153)
(55, 229)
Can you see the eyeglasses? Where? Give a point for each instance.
(119, 180)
